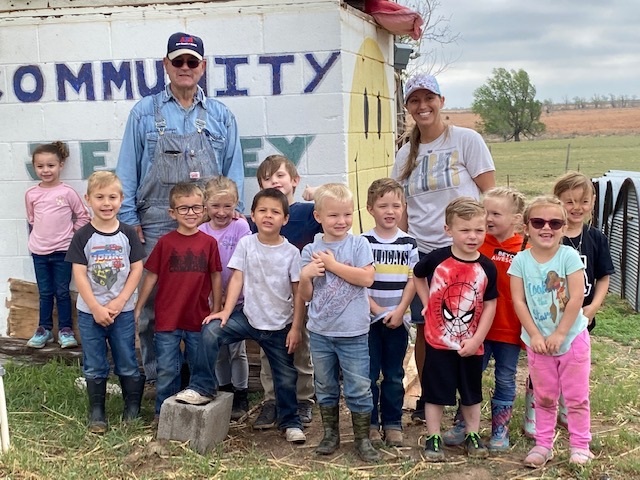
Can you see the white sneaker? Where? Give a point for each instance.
(295, 435)
(192, 397)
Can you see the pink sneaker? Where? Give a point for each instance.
(581, 456)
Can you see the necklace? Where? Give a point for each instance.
(577, 247)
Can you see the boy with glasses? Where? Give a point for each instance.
(186, 266)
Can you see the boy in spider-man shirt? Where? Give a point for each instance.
(460, 292)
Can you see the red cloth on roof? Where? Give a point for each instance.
(397, 19)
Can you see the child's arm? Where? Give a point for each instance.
(80, 212)
(216, 291)
(294, 337)
(520, 305)
(358, 276)
(575, 284)
(422, 289)
(599, 294)
(395, 317)
(102, 315)
(135, 274)
(150, 280)
(469, 346)
(315, 268)
(234, 288)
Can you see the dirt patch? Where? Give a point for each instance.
(566, 123)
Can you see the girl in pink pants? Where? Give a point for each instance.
(547, 286)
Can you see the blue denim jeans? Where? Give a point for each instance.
(53, 275)
(349, 354)
(387, 347)
(170, 359)
(121, 337)
(213, 336)
(506, 362)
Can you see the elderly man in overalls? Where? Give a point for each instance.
(173, 136)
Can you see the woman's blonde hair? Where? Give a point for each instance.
(412, 159)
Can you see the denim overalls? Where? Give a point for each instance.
(177, 158)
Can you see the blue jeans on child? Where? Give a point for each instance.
(53, 275)
(170, 359)
(121, 337)
(349, 354)
(387, 347)
(506, 363)
(213, 336)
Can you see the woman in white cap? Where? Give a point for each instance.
(439, 163)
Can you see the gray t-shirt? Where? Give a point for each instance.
(268, 271)
(338, 308)
(108, 258)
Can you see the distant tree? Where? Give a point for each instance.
(548, 105)
(507, 106)
(612, 100)
(598, 100)
(579, 102)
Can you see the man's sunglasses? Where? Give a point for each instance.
(539, 223)
(191, 63)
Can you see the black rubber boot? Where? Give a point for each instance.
(132, 389)
(97, 391)
(240, 403)
(361, 424)
(331, 424)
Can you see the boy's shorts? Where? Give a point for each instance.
(445, 371)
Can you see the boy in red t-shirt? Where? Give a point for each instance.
(460, 294)
(186, 266)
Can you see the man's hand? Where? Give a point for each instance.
(138, 229)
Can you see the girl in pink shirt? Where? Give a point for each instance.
(54, 212)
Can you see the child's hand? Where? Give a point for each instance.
(393, 319)
(589, 311)
(315, 268)
(136, 313)
(222, 316)
(468, 347)
(538, 344)
(116, 305)
(327, 258)
(294, 338)
(554, 342)
(103, 316)
(308, 193)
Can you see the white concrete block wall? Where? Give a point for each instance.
(311, 32)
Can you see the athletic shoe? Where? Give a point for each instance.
(455, 435)
(433, 449)
(295, 435)
(305, 411)
(267, 417)
(66, 339)
(474, 446)
(191, 397)
(40, 338)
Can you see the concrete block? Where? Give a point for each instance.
(203, 426)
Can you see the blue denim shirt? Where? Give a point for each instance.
(141, 135)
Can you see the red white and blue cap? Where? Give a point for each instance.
(183, 43)
(421, 81)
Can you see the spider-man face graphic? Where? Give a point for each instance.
(458, 309)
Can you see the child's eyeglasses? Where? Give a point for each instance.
(191, 62)
(554, 224)
(184, 209)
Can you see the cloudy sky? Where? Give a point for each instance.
(569, 47)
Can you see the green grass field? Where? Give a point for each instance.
(533, 166)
